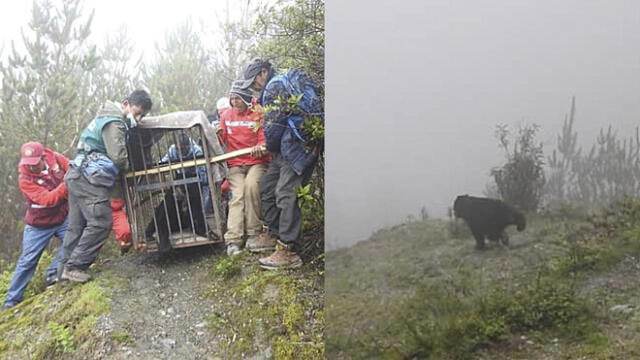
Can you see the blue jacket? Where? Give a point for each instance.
(280, 138)
(172, 156)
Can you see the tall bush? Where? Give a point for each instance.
(521, 179)
(608, 172)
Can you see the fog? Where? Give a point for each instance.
(147, 23)
(415, 90)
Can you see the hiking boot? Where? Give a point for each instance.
(281, 259)
(262, 242)
(233, 249)
(124, 247)
(50, 280)
(6, 306)
(141, 244)
(75, 275)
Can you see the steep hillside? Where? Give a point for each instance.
(566, 288)
(196, 304)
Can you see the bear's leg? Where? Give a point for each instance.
(494, 237)
(504, 238)
(479, 239)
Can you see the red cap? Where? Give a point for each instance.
(31, 153)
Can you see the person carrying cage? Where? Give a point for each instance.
(242, 127)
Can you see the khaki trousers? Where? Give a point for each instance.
(244, 207)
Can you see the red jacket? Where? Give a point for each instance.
(239, 130)
(46, 194)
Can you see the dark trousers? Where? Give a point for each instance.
(278, 194)
(89, 220)
(175, 215)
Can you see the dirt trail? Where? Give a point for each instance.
(160, 306)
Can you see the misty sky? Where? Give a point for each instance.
(147, 21)
(416, 88)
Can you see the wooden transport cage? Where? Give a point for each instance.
(174, 186)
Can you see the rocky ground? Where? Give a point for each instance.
(161, 309)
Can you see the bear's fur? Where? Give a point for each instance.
(487, 218)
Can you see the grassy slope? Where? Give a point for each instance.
(268, 313)
(421, 290)
(258, 312)
(54, 322)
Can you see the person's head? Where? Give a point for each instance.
(137, 104)
(239, 98)
(32, 156)
(183, 144)
(222, 103)
(256, 74)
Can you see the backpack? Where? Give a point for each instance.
(99, 170)
(298, 82)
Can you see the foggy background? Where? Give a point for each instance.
(147, 22)
(415, 90)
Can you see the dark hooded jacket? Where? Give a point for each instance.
(278, 129)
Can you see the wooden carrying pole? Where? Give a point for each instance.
(191, 163)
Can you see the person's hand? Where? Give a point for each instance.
(225, 187)
(258, 151)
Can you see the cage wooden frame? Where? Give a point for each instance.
(153, 187)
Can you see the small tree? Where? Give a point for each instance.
(520, 181)
(179, 77)
(117, 73)
(47, 94)
(562, 160)
(236, 38)
(292, 36)
(608, 171)
(424, 215)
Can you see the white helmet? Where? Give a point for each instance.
(223, 103)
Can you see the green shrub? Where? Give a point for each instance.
(228, 267)
(520, 181)
(443, 322)
(610, 235)
(62, 336)
(123, 337)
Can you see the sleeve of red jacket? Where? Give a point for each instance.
(39, 194)
(64, 164)
(63, 161)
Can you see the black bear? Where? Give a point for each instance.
(487, 218)
(175, 213)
